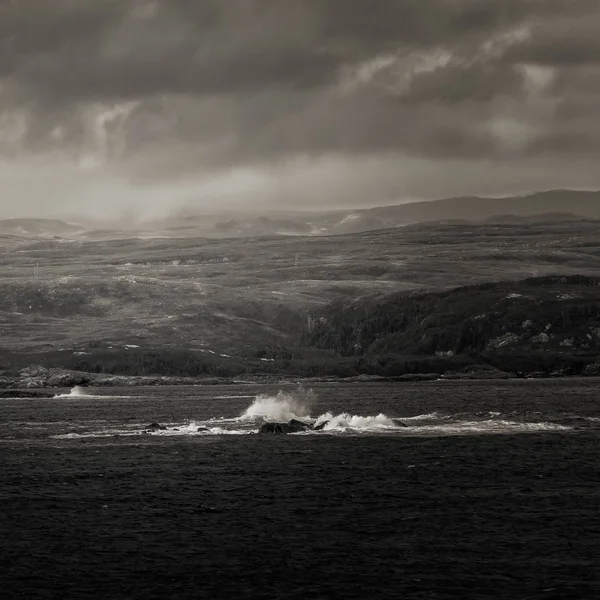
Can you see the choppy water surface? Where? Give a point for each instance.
(429, 490)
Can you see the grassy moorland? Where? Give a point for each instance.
(194, 306)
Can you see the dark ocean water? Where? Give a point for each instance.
(492, 491)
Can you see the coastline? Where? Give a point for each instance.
(33, 382)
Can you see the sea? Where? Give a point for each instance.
(429, 490)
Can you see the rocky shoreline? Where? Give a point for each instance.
(31, 381)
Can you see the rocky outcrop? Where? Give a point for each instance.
(155, 427)
(37, 377)
(67, 379)
(34, 371)
(508, 339)
(41, 377)
(293, 426)
(592, 370)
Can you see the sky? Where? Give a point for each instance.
(141, 108)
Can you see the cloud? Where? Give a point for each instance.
(562, 42)
(142, 95)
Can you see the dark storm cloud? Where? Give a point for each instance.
(166, 89)
(106, 49)
(68, 51)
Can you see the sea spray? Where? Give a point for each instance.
(81, 392)
(282, 407)
(76, 392)
(285, 406)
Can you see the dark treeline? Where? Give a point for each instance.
(543, 312)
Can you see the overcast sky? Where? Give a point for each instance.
(148, 106)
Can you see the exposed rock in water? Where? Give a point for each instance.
(321, 426)
(155, 427)
(300, 424)
(293, 426)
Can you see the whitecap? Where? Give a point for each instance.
(345, 421)
(425, 417)
(282, 407)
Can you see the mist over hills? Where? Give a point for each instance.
(548, 206)
(556, 205)
(310, 294)
(40, 228)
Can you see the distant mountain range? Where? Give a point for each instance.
(550, 206)
(580, 203)
(39, 228)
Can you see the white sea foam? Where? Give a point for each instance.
(489, 426)
(189, 429)
(346, 421)
(338, 425)
(282, 407)
(76, 392)
(102, 433)
(425, 417)
(285, 406)
(83, 392)
(296, 405)
(77, 436)
(194, 428)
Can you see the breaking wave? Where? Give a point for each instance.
(282, 407)
(346, 421)
(83, 392)
(425, 417)
(76, 392)
(489, 426)
(285, 406)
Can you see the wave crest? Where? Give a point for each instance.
(77, 392)
(348, 421)
(282, 407)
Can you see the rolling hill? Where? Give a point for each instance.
(580, 203)
(244, 305)
(551, 206)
